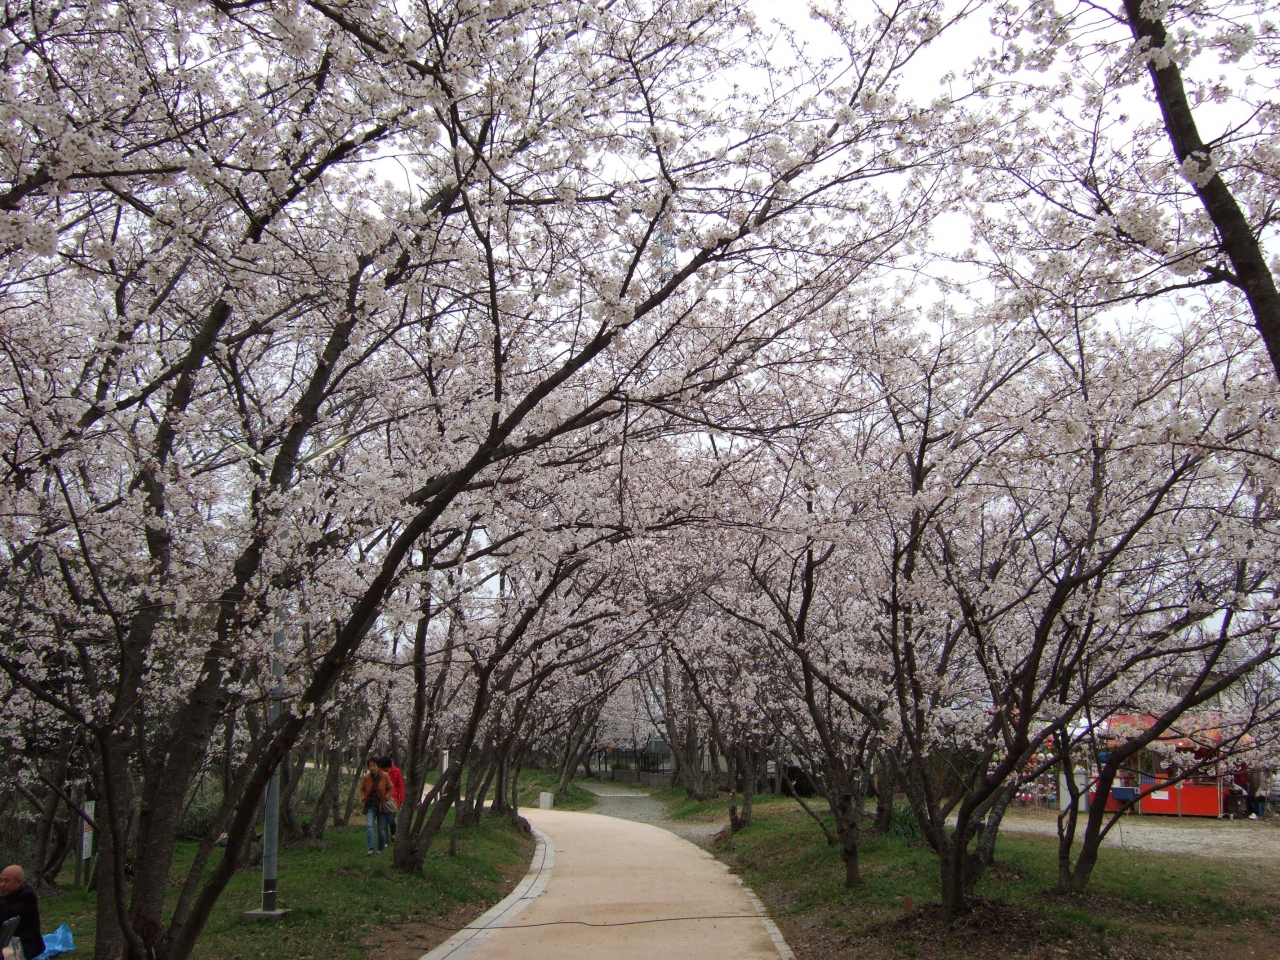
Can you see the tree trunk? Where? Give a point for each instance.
(951, 868)
(985, 852)
(290, 776)
(109, 942)
(350, 806)
(742, 767)
(500, 803)
(515, 789)
(735, 821)
(852, 873)
(886, 788)
(1067, 819)
(1090, 843)
(327, 803)
(1248, 260)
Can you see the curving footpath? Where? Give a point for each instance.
(600, 887)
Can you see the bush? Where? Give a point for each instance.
(903, 824)
(17, 830)
(202, 806)
(309, 789)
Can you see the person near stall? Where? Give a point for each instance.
(1259, 791)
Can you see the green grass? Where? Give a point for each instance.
(680, 806)
(533, 782)
(1139, 903)
(340, 898)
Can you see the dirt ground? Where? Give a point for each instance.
(1196, 836)
(1000, 931)
(408, 938)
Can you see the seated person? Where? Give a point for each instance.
(17, 899)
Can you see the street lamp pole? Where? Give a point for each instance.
(271, 812)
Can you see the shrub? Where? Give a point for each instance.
(903, 824)
(202, 806)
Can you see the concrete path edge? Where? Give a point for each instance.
(467, 940)
(779, 941)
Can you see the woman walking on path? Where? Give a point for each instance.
(376, 795)
(397, 789)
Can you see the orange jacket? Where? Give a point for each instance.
(374, 793)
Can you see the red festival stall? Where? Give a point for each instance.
(1214, 795)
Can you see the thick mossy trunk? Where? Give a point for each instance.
(852, 869)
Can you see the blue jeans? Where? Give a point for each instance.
(375, 818)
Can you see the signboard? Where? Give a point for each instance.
(86, 836)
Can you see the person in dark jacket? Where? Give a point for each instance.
(17, 899)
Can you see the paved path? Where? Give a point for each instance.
(625, 803)
(618, 890)
(1197, 836)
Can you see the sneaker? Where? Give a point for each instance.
(1253, 816)
(371, 853)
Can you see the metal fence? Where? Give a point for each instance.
(643, 760)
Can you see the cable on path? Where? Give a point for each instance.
(585, 923)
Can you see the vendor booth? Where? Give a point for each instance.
(1218, 793)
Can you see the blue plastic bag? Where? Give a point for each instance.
(56, 943)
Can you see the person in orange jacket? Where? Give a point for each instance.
(377, 796)
(389, 767)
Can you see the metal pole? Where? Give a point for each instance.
(271, 812)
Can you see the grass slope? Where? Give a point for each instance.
(533, 782)
(1142, 906)
(346, 906)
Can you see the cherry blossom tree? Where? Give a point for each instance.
(293, 290)
(1045, 545)
(1132, 148)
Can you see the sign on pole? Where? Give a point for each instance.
(86, 835)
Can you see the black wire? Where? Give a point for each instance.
(588, 923)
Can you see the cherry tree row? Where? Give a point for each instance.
(470, 363)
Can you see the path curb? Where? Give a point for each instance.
(779, 941)
(469, 938)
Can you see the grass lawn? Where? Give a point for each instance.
(346, 906)
(533, 782)
(680, 806)
(1142, 906)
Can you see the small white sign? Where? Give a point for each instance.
(86, 835)
(1160, 795)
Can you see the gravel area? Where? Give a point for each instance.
(1221, 839)
(1195, 836)
(626, 804)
